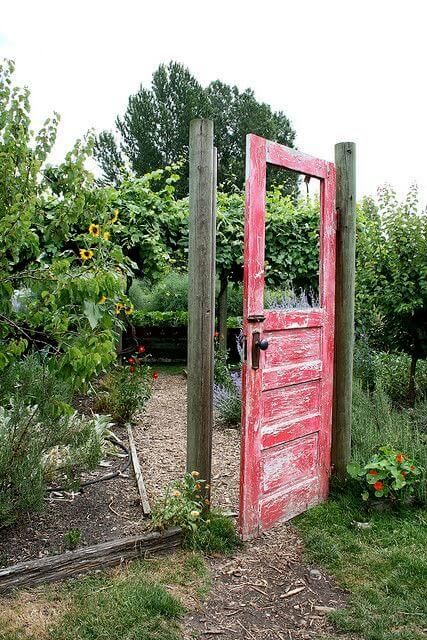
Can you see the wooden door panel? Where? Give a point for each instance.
(278, 432)
(291, 402)
(292, 345)
(289, 463)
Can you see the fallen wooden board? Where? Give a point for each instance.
(138, 473)
(98, 556)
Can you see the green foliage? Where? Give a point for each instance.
(382, 567)
(35, 449)
(72, 539)
(377, 423)
(391, 275)
(185, 505)
(155, 127)
(125, 390)
(160, 318)
(390, 371)
(57, 255)
(168, 294)
(388, 474)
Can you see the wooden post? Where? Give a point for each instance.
(201, 298)
(223, 311)
(345, 161)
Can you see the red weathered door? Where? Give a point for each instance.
(287, 388)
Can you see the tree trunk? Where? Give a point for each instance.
(222, 311)
(411, 387)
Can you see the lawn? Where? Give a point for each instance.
(384, 567)
(141, 602)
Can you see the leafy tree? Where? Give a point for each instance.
(154, 129)
(62, 284)
(391, 275)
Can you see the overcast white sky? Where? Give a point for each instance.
(340, 70)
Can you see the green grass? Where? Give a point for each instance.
(141, 602)
(218, 536)
(384, 567)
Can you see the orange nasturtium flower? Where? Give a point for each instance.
(373, 472)
(86, 254)
(400, 458)
(378, 486)
(94, 230)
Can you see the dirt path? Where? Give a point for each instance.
(265, 591)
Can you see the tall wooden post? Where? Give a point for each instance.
(345, 161)
(201, 298)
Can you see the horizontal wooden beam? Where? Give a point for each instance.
(294, 160)
(98, 556)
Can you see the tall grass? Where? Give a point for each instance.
(376, 423)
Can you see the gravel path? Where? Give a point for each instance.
(160, 436)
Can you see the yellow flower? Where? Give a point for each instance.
(102, 299)
(195, 514)
(106, 235)
(176, 494)
(86, 254)
(129, 310)
(195, 474)
(118, 307)
(94, 230)
(115, 216)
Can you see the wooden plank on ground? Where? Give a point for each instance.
(138, 473)
(99, 556)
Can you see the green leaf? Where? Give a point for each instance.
(92, 313)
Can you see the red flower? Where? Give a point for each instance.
(400, 458)
(132, 369)
(216, 334)
(131, 360)
(373, 472)
(378, 486)
(412, 468)
(141, 348)
(155, 375)
(404, 474)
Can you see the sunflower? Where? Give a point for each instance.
(118, 307)
(106, 235)
(129, 310)
(102, 299)
(115, 216)
(94, 230)
(86, 254)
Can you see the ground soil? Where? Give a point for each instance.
(263, 591)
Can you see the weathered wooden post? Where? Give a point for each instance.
(201, 298)
(345, 161)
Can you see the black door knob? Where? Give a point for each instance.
(263, 345)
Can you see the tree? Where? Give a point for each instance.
(154, 129)
(391, 276)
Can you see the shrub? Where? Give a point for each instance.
(184, 505)
(376, 423)
(228, 399)
(389, 473)
(390, 370)
(169, 294)
(125, 389)
(34, 450)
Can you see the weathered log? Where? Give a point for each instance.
(138, 473)
(98, 556)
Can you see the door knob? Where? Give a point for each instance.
(257, 346)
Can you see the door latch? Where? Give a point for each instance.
(257, 346)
